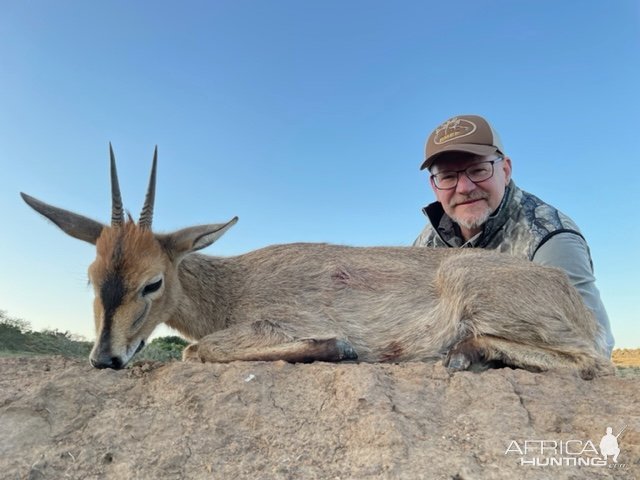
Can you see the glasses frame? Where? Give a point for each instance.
(464, 170)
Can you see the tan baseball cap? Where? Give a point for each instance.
(462, 133)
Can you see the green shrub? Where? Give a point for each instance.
(16, 337)
(163, 349)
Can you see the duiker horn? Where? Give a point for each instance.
(146, 216)
(117, 214)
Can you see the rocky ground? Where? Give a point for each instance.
(59, 419)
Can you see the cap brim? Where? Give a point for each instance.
(460, 147)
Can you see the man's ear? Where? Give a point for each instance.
(72, 224)
(191, 239)
(506, 167)
(433, 184)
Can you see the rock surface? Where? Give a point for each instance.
(59, 418)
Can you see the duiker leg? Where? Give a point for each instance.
(266, 341)
(487, 351)
(518, 314)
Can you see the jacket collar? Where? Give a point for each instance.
(449, 231)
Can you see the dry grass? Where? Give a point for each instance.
(627, 362)
(626, 357)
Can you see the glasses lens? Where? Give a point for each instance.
(480, 171)
(446, 180)
(477, 173)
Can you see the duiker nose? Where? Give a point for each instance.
(106, 362)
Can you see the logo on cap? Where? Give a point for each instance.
(452, 129)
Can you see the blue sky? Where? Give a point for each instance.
(308, 121)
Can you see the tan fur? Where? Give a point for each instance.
(142, 250)
(304, 302)
(389, 304)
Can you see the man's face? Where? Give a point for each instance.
(470, 204)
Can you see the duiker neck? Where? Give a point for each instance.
(208, 287)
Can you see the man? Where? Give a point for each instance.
(478, 205)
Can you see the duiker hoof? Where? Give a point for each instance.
(346, 350)
(457, 362)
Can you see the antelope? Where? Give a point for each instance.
(303, 302)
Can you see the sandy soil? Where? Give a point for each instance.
(59, 418)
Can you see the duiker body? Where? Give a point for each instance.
(305, 302)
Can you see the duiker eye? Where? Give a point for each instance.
(151, 287)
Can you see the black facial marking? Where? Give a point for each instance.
(113, 289)
(112, 293)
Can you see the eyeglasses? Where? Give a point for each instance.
(478, 172)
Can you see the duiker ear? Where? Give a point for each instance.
(194, 238)
(77, 226)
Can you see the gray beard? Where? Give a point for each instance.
(474, 223)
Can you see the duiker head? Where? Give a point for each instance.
(135, 273)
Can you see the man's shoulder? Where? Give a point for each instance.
(425, 238)
(523, 223)
(544, 214)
